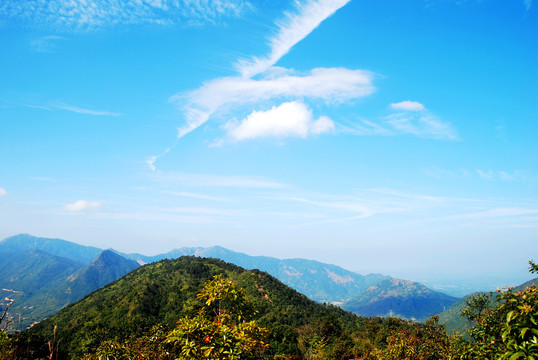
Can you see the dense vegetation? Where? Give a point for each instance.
(40, 283)
(194, 308)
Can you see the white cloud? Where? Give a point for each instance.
(198, 196)
(408, 106)
(425, 125)
(288, 119)
(497, 213)
(80, 110)
(328, 84)
(210, 180)
(67, 15)
(45, 44)
(3, 192)
(428, 126)
(292, 29)
(82, 205)
(53, 106)
(517, 175)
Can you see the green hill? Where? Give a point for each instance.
(402, 298)
(105, 268)
(163, 292)
(40, 284)
(452, 319)
(30, 278)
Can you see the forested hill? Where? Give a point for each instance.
(163, 292)
(452, 318)
(319, 281)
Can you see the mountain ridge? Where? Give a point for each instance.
(397, 297)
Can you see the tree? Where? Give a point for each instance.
(508, 330)
(221, 328)
(428, 343)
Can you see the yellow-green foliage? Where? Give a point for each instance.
(220, 329)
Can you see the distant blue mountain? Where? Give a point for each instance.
(319, 281)
(41, 283)
(402, 298)
(58, 247)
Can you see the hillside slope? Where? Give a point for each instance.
(40, 284)
(452, 319)
(30, 278)
(403, 298)
(163, 292)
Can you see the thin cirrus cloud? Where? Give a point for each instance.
(224, 94)
(211, 180)
(66, 15)
(72, 108)
(292, 29)
(80, 110)
(425, 125)
(412, 118)
(83, 205)
(328, 84)
(288, 119)
(408, 105)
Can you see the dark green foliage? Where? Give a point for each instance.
(164, 292)
(41, 283)
(31, 280)
(452, 318)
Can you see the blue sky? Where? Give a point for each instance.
(382, 136)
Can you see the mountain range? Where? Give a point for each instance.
(43, 275)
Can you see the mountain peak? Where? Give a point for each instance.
(25, 242)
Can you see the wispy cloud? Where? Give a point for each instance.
(408, 105)
(3, 192)
(209, 180)
(80, 110)
(65, 15)
(288, 119)
(327, 84)
(497, 213)
(292, 29)
(496, 175)
(528, 4)
(428, 126)
(53, 106)
(413, 119)
(45, 44)
(42, 178)
(199, 196)
(490, 175)
(83, 205)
